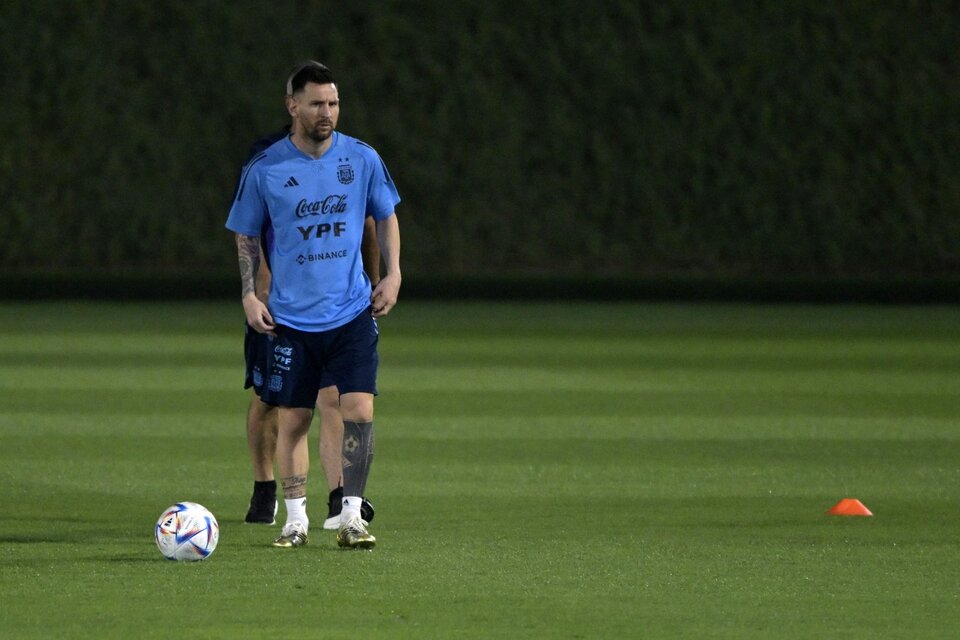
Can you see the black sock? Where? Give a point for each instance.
(265, 487)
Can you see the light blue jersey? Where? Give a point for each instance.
(316, 210)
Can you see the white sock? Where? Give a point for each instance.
(297, 511)
(351, 508)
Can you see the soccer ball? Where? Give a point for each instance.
(187, 531)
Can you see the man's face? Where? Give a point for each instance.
(315, 110)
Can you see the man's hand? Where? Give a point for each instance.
(258, 316)
(384, 296)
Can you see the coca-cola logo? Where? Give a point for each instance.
(331, 204)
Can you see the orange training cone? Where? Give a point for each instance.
(850, 507)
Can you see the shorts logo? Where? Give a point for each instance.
(345, 174)
(282, 358)
(276, 383)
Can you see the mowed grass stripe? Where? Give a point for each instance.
(542, 470)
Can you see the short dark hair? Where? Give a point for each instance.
(308, 71)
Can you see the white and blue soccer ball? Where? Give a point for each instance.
(187, 531)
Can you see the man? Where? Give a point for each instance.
(315, 188)
(262, 418)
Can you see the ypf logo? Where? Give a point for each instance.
(282, 358)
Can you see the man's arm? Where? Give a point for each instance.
(263, 280)
(385, 294)
(370, 251)
(248, 251)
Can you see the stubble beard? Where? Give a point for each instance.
(318, 133)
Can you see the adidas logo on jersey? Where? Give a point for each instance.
(292, 182)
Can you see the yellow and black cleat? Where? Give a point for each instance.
(293, 535)
(354, 535)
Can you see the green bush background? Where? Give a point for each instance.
(613, 138)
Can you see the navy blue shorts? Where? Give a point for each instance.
(256, 354)
(298, 364)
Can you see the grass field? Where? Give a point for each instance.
(542, 471)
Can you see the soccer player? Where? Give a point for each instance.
(314, 189)
(262, 418)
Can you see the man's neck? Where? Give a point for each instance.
(309, 147)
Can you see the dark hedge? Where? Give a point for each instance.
(629, 140)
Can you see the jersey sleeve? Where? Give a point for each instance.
(382, 196)
(248, 213)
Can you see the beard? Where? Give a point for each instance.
(319, 131)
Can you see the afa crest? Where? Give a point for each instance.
(345, 174)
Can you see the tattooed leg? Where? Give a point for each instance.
(293, 459)
(294, 487)
(357, 456)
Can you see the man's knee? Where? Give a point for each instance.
(294, 421)
(357, 407)
(328, 399)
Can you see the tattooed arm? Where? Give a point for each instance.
(258, 316)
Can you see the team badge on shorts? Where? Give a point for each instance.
(276, 383)
(345, 174)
